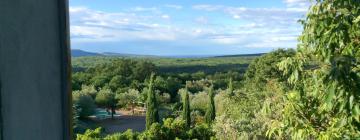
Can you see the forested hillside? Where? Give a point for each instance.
(311, 92)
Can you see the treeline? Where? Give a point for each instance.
(117, 75)
(203, 68)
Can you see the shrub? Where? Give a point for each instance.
(154, 132)
(199, 101)
(84, 103)
(176, 128)
(90, 134)
(127, 135)
(105, 98)
(129, 98)
(201, 132)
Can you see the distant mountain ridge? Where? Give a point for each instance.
(81, 53)
(242, 55)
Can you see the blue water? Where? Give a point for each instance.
(102, 114)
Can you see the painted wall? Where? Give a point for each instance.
(33, 70)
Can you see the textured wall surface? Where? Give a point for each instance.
(33, 70)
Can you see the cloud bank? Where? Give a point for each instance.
(211, 25)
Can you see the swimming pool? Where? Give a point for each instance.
(101, 113)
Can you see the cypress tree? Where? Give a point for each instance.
(230, 89)
(210, 112)
(186, 108)
(152, 115)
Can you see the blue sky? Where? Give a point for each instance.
(186, 27)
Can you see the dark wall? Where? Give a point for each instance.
(34, 70)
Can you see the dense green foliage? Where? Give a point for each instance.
(210, 111)
(264, 69)
(247, 113)
(105, 98)
(116, 75)
(186, 108)
(183, 65)
(170, 130)
(230, 89)
(84, 104)
(152, 115)
(324, 101)
(129, 98)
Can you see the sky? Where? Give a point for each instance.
(185, 27)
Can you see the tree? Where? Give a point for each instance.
(324, 101)
(99, 81)
(152, 115)
(78, 79)
(210, 112)
(117, 82)
(105, 98)
(170, 85)
(143, 69)
(131, 97)
(173, 85)
(264, 68)
(230, 89)
(89, 90)
(84, 103)
(186, 108)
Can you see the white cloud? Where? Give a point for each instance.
(77, 9)
(236, 17)
(296, 2)
(173, 6)
(258, 27)
(207, 7)
(297, 5)
(202, 20)
(238, 26)
(165, 16)
(144, 9)
(94, 26)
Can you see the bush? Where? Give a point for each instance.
(264, 68)
(176, 128)
(90, 134)
(127, 135)
(170, 130)
(84, 103)
(90, 90)
(197, 117)
(155, 132)
(199, 101)
(129, 98)
(201, 132)
(105, 98)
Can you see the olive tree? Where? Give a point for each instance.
(105, 98)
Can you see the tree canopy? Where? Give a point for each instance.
(324, 101)
(152, 114)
